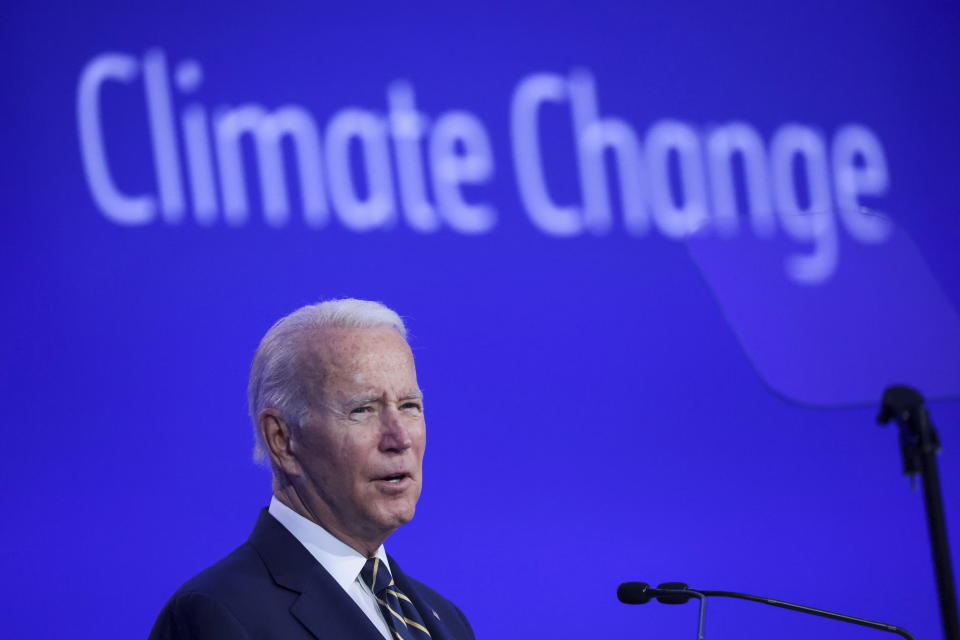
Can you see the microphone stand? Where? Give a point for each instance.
(680, 593)
(919, 446)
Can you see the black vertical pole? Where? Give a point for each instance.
(919, 446)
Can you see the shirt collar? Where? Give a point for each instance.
(341, 561)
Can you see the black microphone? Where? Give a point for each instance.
(668, 593)
(679, 593)
(634, 593)
(675, 593)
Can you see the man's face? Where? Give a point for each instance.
(360, 448)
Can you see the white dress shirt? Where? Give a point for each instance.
(341, 561)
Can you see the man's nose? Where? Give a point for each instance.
(396, 434)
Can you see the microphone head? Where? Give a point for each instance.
(634, 593)
(673, 598)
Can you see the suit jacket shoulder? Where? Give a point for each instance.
(271, 587)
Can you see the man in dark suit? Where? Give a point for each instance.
(338, 414)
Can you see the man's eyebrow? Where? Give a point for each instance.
(361, 398)
(367, 398)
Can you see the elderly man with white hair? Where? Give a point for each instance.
(338, 415)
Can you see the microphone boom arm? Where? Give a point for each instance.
(882, 626)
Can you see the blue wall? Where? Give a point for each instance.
(659, 261)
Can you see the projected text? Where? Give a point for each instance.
(368, 169)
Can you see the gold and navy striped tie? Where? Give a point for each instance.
(402, 617)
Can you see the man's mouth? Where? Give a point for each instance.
(394, 478)
(395, 484)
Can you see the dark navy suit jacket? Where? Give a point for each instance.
(271, 587)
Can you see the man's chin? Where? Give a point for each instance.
(393, 510)
(395, 516)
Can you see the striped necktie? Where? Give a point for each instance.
(398, 610)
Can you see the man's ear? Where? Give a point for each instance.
(277, 436)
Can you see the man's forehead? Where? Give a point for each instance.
(347, 361)
(337, 342)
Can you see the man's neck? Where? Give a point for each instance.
(288, 495)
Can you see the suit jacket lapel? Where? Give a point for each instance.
(323, 607)
(331, 613)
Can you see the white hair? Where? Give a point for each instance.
(276, 374)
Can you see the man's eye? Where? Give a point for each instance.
(360, 411)
(411, 406)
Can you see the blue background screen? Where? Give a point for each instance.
(658, 261)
